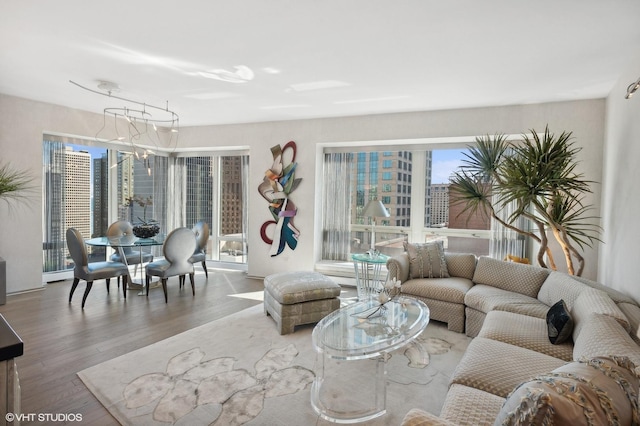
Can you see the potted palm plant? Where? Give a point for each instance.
(14, 186)
(537, 177)
(14, 183)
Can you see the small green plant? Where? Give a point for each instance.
(15, 185)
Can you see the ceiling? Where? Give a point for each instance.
(298, 59)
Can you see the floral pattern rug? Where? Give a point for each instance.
(239, 370)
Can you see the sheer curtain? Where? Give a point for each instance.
(505, 241)
(245, 205)
(176, 194)
(53, 221)
(336, 212)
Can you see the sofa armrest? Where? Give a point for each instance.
(417, 417)
(398, 267)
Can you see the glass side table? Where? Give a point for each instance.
(369, 276)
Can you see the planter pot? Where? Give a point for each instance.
(3, 282)
(145, 231)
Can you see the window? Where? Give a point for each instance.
(403, 196)
(83, 189)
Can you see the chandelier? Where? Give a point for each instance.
(142, 126)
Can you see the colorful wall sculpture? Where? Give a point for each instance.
(278, 183)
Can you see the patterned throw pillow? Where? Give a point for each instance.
(598, 391)
(426, 260)
(559, 323)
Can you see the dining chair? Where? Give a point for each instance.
(201, 231)
(91, 271)
(120, 229)
(178, 247)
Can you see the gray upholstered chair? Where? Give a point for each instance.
(83, 270)
(120, 229)
(177, 249)
(201, 230)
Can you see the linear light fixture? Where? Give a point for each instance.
(632, 89)
(140, 122)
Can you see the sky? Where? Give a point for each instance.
(444, 163)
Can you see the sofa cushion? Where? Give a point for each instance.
(466, 406)
(598, 391)
(398, 267)
(426, 260)
(497, 367)
(450, 289)
(632, 312)
(516, 277)
(418, 417)
(602, 335)
(559, 285)
(461, 265)
(614, 294)
(594, 301)
(524, 331)
(487, 298)
(559, 323)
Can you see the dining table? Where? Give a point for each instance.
(120, 243)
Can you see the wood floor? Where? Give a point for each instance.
(61, 339)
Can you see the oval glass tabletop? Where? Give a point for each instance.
(361, 330)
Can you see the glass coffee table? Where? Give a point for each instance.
(352, 347)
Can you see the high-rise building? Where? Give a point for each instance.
(100, 196)
(77, 190)
(386, 176)
(231, 195)
(125, 181)
(440, 205)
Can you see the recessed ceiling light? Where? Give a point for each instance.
(318, 85)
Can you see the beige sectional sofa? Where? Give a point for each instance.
(504, 307)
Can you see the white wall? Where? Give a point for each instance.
(621, 195)
(585, 119)
(23, 122)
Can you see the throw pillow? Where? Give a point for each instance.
(426, 260)
(559, 323)
(598, 391)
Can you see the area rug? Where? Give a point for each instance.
(239, 370)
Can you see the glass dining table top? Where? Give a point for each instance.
(126, 241)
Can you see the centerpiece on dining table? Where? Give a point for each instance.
(145, 228)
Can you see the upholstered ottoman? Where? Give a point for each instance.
(296, 298)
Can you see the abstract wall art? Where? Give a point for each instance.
(278, 183)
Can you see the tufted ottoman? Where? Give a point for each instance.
(295, 298)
